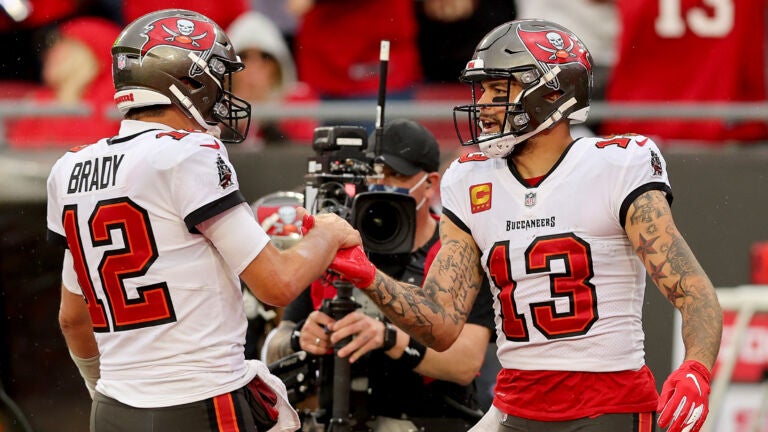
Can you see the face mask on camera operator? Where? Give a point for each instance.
(393, 187)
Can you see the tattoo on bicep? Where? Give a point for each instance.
(663, 251)
(647, 208)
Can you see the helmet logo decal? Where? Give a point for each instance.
(560, 51)
(193, 35)
(185, 34)
(555, 47)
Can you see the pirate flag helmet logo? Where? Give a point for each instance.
(554, 46)
(185, 33)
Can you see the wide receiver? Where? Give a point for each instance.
(566, 230)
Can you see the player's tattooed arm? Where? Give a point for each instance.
(674, 269)
(435, 313)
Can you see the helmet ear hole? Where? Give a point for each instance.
(191, 83)
(553, 96)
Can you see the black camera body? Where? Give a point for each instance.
(337, 182)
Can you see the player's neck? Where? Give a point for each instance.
(541, 152)
(172, 117)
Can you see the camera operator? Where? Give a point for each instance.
(396, 383)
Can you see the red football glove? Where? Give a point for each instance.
(684, 402)
(307, 222)
(353, 266)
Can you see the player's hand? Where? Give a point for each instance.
(333, 225)
(368, 335)
(314, 338)
(353, 265)
(684, 402)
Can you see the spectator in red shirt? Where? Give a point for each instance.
(76, 70)
(701, 54)
(338, 42)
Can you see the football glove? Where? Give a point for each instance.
(307, 222)
(353, 265)
(684, 402)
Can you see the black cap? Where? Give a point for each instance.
(408, 147)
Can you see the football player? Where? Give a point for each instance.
(157, 234)
(566, 230)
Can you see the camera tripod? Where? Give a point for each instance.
(338, 308)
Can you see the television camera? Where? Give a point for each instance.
(337, 182)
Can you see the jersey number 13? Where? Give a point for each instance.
(573, 284)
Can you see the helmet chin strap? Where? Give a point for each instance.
(502, 146)
(187, 103)
(190, 107)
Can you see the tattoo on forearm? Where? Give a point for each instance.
(675, 270)
(443, 300)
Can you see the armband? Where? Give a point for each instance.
(412, 355)
(295, 334)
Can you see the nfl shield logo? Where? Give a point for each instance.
(530, 199)
(121, 61)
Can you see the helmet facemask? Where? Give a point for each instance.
(232, 112)
(515, 121)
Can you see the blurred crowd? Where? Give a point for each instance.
(311, 51)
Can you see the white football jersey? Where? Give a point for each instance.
(567, 286)
(167, 310)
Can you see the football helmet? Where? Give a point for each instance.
(180, 57)
(552, 65)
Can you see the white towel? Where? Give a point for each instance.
(288, 419)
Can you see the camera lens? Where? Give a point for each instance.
(386, 221)
(380, 222)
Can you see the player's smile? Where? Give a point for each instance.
(489, 124)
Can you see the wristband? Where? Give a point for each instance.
(390, 337)
(89, 369)
(295, 334)
(412, 355)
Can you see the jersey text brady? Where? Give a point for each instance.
(94, 174)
